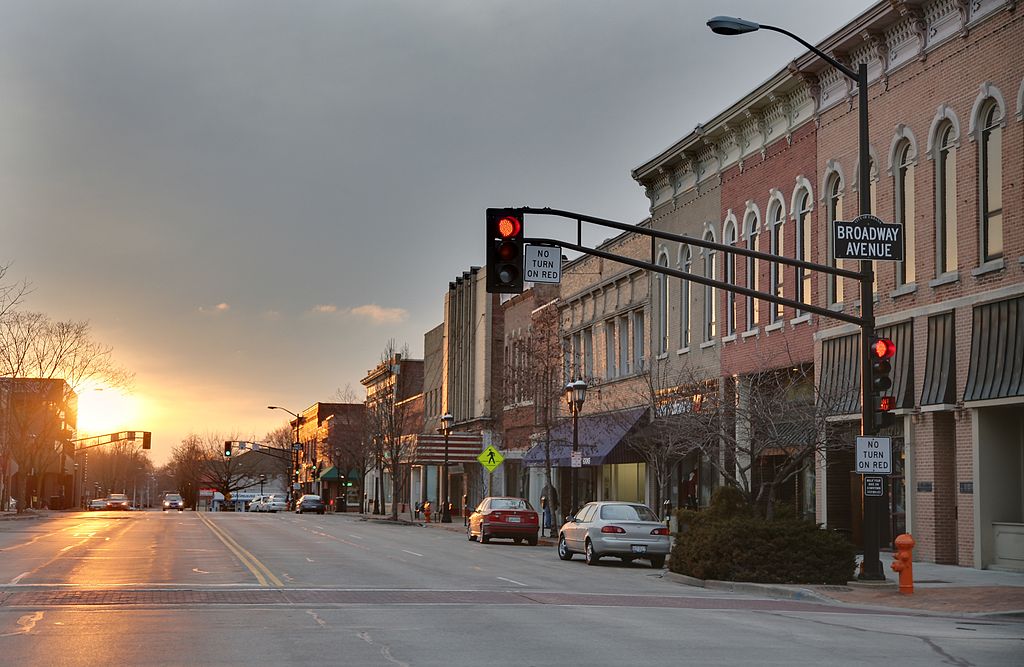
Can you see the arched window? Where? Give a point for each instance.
(802, 217)
(730, 277)
(991, 166)
(753, 280)
(777, 220)
(945, 200)
(834, 211)
(684, 299)
(710, 311)
(903, 193)
(663, 306)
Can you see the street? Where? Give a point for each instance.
(153, 588)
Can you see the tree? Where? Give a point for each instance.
(387, 414)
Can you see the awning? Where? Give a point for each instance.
(598, 436)
(839, 383)
(997, 351)
(902, 334)
(939, 385)
(329, 475)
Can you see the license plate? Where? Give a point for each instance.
(514, 519)
(639, 548)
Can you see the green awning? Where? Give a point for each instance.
(329, 475)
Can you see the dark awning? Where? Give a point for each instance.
(329, 475)
(839, 383)
(598, 436)
(902, 334)
(997, 351)
(940, 362)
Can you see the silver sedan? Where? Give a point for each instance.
(625, 530)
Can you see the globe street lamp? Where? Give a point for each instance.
(295, 449)
(575, 394)
(728, 25)
(446, 429)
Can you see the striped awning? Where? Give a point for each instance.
(997, 351)
(939, 385)
(839, 382)
(462, 448)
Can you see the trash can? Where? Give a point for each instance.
(340, 504)
(56, 503)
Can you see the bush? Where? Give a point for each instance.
(729, 543)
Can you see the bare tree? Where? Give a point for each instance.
(387, 413)
(11, 294)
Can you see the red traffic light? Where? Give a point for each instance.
(883, 348)
(886, 403)
(509, 226)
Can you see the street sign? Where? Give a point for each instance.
(874, 455)
(867, 237)
(873, 487)
(543, 264)
(490, 458)
(577, 460)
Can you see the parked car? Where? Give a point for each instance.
(625, 530)
(173, 501)
(118, 501)
(274, 503)
(97, 504)
(310, 503)
(504, 517)
(256, 503)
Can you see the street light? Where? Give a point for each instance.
(263, 478)
(727, 25)
(446, 428)
(295, 446)
(575, 394)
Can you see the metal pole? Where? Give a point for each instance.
(446, 515)
(872, 570)
(573, 481)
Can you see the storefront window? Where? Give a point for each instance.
(624, 481)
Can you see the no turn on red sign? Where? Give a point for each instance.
(874, 455)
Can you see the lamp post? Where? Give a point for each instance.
(727, 25)
(295, 449)
(376, 478)
(575, 394)
(446, 429)
(263, 478)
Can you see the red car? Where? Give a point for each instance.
(504, 517)
(118, 501)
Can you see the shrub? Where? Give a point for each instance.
(729, 543)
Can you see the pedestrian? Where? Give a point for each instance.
(416, 509)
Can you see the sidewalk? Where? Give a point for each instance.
(940, 589)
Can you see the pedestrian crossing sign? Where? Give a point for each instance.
(490, 458)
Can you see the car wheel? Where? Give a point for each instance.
(563, 548)
(484, 537)
(164, 509)
(517, 540)
(532, 540)
(657, 562)
(469, 534)
(590, 555)
(320, 512)
(181, 509)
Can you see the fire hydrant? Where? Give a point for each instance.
(904, 563)
(426, 510)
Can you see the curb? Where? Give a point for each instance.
(20, 517)
(769, 590)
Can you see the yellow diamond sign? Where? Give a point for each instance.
(490, 458)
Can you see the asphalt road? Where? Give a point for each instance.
(152, 588)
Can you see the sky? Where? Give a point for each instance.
(247, 199)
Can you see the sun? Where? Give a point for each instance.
(104, 410)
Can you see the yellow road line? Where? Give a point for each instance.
(259, 570)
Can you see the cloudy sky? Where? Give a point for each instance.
(247, 198)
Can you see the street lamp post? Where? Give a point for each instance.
(376, 478)
(263, 478)
(295, 451)
(727, 25)
(446, 428)
(575, 394)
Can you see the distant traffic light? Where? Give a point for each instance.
(504, 251)
(227, 448)
(147, 440)
(882, 350)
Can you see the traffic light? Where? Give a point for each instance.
(504, 251)
(147, 440)
(882, 350)
(227, 448)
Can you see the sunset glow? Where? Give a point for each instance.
(104, 410)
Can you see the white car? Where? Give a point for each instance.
(256, 504)
(274, 503)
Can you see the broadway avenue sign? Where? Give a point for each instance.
(867, 237)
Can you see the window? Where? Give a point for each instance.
(802, 215)
(991, 166)
(834, 211)
(588, 352)
(710, 309)
(753, 281)
(610, 367)
(684, 300)
(903, 192)
(638, 340)
(567, 359)
(778, 219)
(624, 345)
(730, 277)
(663, 306)
(945, 201)
(577, 352)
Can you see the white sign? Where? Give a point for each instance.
(874, 455)
(542, 264)
(577, 460)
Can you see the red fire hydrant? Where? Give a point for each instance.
(426, 511)
(904, 563)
